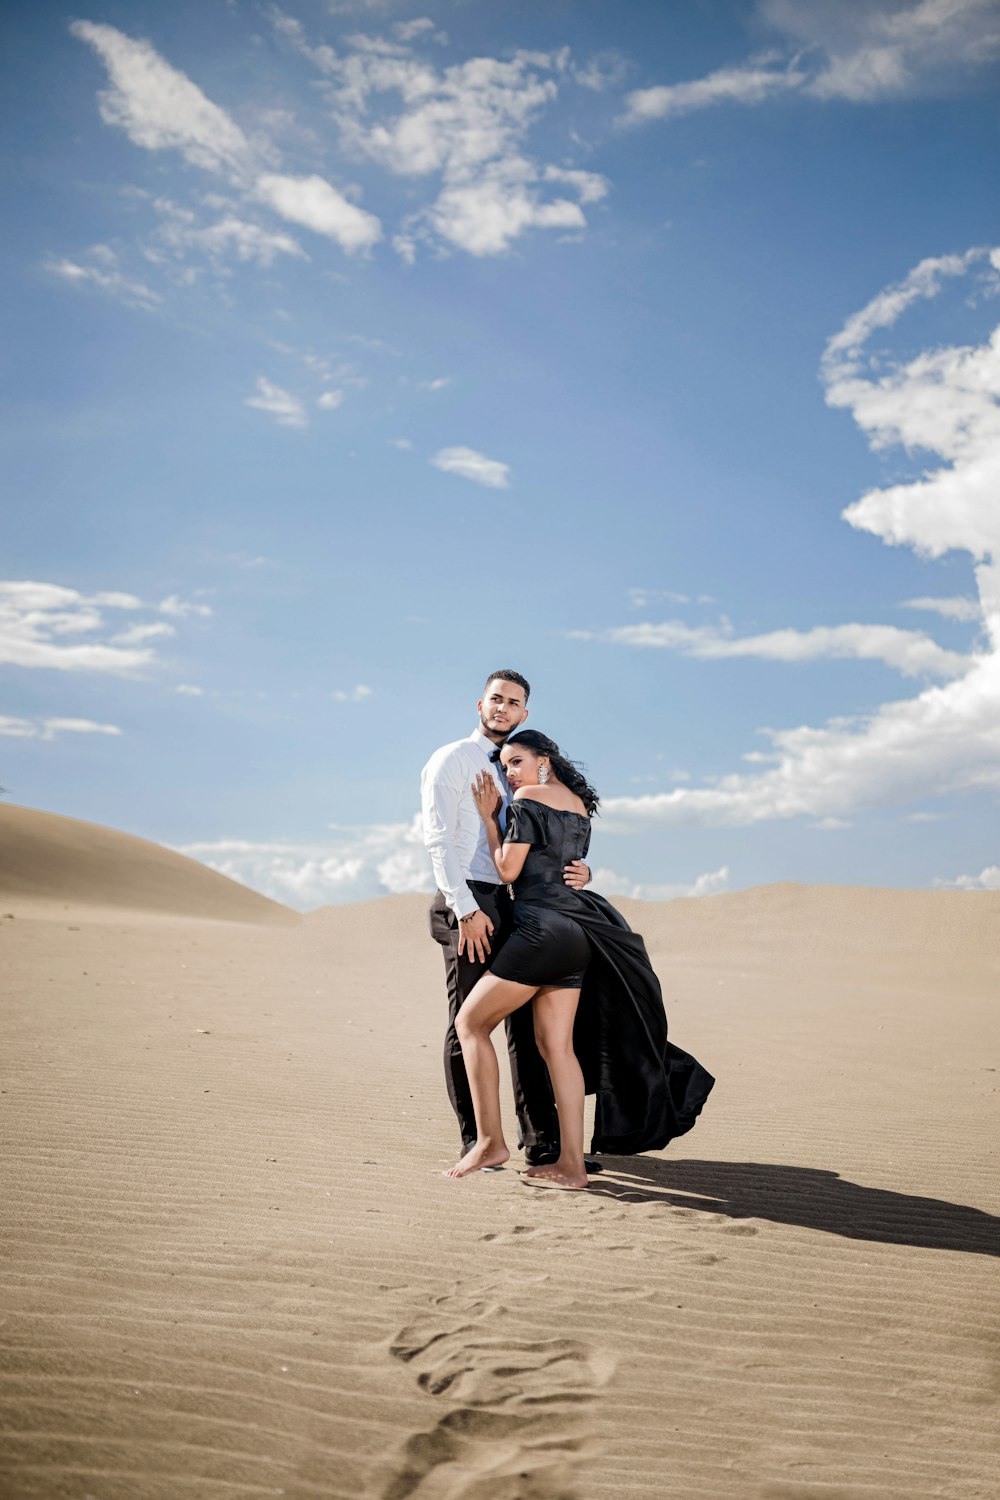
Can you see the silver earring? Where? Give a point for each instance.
(543, 774)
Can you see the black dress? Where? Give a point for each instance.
(648, 1091)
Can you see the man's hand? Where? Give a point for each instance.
(474, 937)
(577, 874)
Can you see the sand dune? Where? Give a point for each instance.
(48, 859)
(233, 1269)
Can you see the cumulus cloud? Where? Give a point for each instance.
(50, 729)
(312, 202)
(986, 880)
(330, 400)
(161, 109)
(946, 740)
(47, 625)
(467, 127)
(352, 864)
(857, 53)
(469, 464)
(352, 695)
(909, 651)
(286, 409)
(41, 625)
(945, 402)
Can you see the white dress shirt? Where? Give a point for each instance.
(454, 833)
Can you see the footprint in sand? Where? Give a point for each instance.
(513, 1433)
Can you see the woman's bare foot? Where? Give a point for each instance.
(558, 1174)
(482, 1154)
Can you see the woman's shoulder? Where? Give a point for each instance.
(542, 796)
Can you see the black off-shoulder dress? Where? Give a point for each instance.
(648, 1091)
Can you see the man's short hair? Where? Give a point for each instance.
(506, 675)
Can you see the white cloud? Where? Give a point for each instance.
(945, 741)
(113, 282)
(312, 202)
(286, 409)
(159, 108)
(178, 608)
(323, 57)
(408, 31)
(138, 635)
(53, 727)
(602, 71)
(466, 125)
(17, 729)
(610, 883)
(39, 620)
(986, 880)
(749, 84)
(909, 651)
(230, 235)
(189, 690)
(330, 400)
(923, 282)
(50, 729)
(469, 464)
(402, 443)
(353, 864)
(353, 695)
(958, 607)
(886, 49)
(590, 187)
(486, 215)
(857, 53)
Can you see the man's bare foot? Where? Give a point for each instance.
(482, 1154)
(557, 1174)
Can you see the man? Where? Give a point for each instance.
(470, 914)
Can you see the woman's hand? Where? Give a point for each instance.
(487, 796)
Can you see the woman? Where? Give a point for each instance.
(598, 1011)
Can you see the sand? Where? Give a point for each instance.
(233, 1269)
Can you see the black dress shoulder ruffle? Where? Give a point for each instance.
(647, 1090)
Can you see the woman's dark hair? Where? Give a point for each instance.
(569, 773)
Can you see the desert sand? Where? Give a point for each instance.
(232, 1267)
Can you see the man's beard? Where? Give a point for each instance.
(485, 727)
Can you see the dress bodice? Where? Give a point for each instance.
(556, 838)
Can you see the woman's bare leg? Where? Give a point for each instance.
(485, 1007)
(555, 1012)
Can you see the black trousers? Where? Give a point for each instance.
(537, 1121)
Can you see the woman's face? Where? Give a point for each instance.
(521, 765)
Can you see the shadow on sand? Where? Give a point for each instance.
(806, 1196)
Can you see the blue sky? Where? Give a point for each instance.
(354, 349)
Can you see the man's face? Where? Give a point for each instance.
(501, 709)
